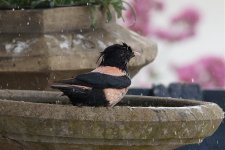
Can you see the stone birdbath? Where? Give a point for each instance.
(36, 120)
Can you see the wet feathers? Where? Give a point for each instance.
(104, 86)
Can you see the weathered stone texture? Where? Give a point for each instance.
(26, 122)
(38, 47)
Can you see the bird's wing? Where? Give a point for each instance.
(71, 83)
(99, 80)
(68, 86)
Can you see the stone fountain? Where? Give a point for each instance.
(36, 120)
(39, 46)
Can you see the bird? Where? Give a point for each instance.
(104, 86)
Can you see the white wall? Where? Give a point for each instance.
(209, 40)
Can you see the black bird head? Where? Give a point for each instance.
(117, 55)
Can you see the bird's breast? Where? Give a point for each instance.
(114, 71)
(113, 96)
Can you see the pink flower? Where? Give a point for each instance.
(181, 26)
(158, 5)
(209, 72)
(190, 16)
(141, 22)
(173, 36)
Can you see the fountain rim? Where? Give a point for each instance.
(120, 118)
(205, 111)
(20, 95)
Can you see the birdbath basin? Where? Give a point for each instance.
(35, 120)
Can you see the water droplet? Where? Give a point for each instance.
(165, 131)
(127, 142)
(150, 130)
(183, 125)
(128, 102)
(57, 102)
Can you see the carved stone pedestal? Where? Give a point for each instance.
(40, 46)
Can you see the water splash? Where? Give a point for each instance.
(17, 46)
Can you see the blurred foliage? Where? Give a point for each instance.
(117, 5)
